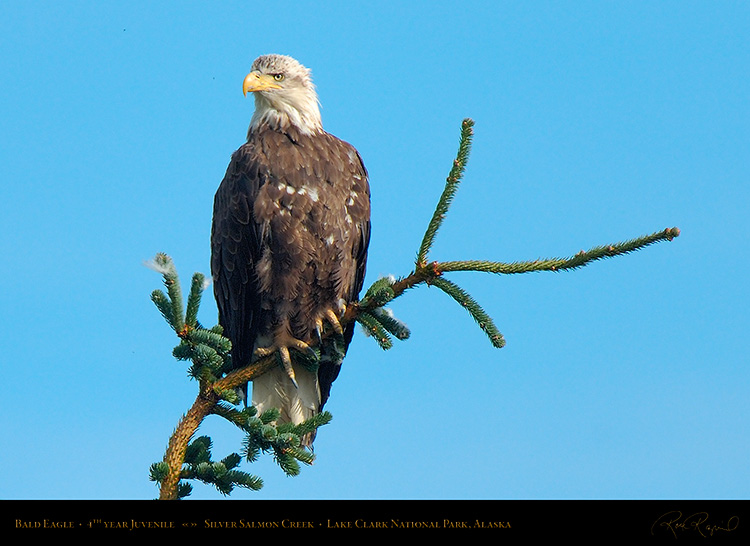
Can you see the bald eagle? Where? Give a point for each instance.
(291, 227)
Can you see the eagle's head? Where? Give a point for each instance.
(284, 94)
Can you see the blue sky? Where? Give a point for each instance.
(595, 122)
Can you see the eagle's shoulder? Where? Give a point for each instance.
(350, 173)
(344, 152)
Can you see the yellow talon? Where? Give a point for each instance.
(282, 344)
(334, 320)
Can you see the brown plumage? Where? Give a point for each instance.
(289, 239)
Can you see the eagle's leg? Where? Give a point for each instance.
(282, 342)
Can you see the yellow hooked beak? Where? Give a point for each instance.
(255, 81)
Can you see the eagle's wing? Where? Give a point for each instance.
(236, 243)
(360, 213)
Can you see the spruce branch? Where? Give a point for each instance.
(221, 474)
(197, 287)
(174, 315)
(373, 328)
(475, 310)
(162, 303)
(239, 418)
(561, 264)
(431, 273)
(451, 186)
(210, 352)
(394, 326)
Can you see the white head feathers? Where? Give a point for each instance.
(287, 96)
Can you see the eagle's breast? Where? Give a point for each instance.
(310, 208)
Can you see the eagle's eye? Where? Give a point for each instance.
(278, 77)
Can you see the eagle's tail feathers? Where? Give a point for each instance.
(298, 403)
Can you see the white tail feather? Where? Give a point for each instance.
(274, 389)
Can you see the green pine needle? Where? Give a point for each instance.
(158, 471)
(239, 418)
(270, 415)
(164, 305)
(251, 450)
(301, 454)
(314, 423)
(380, 293)
(375, 329)
(562, 264)
(172, 282)
(230, 395)
(243, 479)
(288, 463)
(381, 283)
(183, 351)
(211, 338)
(451, 186)
(232, 460)
(474, 309)
(385, 317)
(198, 451)
(194, 299)
(164, 265)
(183, 490)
